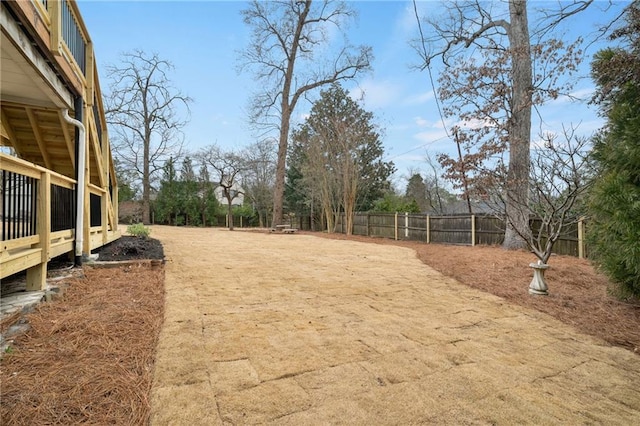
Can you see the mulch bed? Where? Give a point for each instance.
(87, 358)
(129, 247)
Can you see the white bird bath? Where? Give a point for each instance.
(538, 284)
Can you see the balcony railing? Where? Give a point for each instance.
(72, 36)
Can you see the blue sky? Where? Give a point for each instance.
(202, 40)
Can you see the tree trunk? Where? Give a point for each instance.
(230, 213)
(517, 186)
(278, 192)
(146, 168)
(146, 192)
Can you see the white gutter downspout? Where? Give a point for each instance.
(79, 184)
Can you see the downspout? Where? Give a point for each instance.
(80, 162)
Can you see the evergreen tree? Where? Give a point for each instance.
(342, 156)
(208, 206)
(167, 205)
(189, 200)
(417, 191)
(614, 229)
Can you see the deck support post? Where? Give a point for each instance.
(37, 275)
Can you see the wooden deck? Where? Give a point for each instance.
(48, 66)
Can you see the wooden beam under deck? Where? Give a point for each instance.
(38, 135)
(6, 124)
(68, 139)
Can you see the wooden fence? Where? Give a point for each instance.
(459, 229)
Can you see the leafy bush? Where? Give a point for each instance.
(615, 199)
(138, 230)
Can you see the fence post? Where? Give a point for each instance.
(581, 238)
(473, 230)
(368, 215)
(396, 226)
(406, 224)
(428, 229)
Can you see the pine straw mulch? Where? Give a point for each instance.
(88, 357)
(578, 294)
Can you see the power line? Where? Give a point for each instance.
(428, 63)
(416, 148)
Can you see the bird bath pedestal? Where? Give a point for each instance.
(538, 284)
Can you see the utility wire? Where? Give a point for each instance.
(428, 64)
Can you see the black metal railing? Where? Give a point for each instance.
(72, 36)
(96, 211)
(19, 210)
(63, 208)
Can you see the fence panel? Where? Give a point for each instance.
(451, 229)
(415, 227)
(360, 224)
(567, 243)
(489, 230)
(382, 225)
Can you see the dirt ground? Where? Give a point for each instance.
(297, 329)
(578, 294)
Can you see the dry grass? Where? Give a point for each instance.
(578, 294)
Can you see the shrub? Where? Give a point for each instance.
(138, 230)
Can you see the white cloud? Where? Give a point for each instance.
(431, 137)
(437, 124)
(377, 94)
(580, 95)
(419, 98)
(406, 23)
(421, 122)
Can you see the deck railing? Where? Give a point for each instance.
(35, 208)
(18, 205)
(72, 36)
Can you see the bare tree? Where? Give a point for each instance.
(258, 181)
(227, 168)
(437, 196)
(284, 52)
(560, 176)
(144, 111)
(473, 25)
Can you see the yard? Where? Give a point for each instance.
(297, 329)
